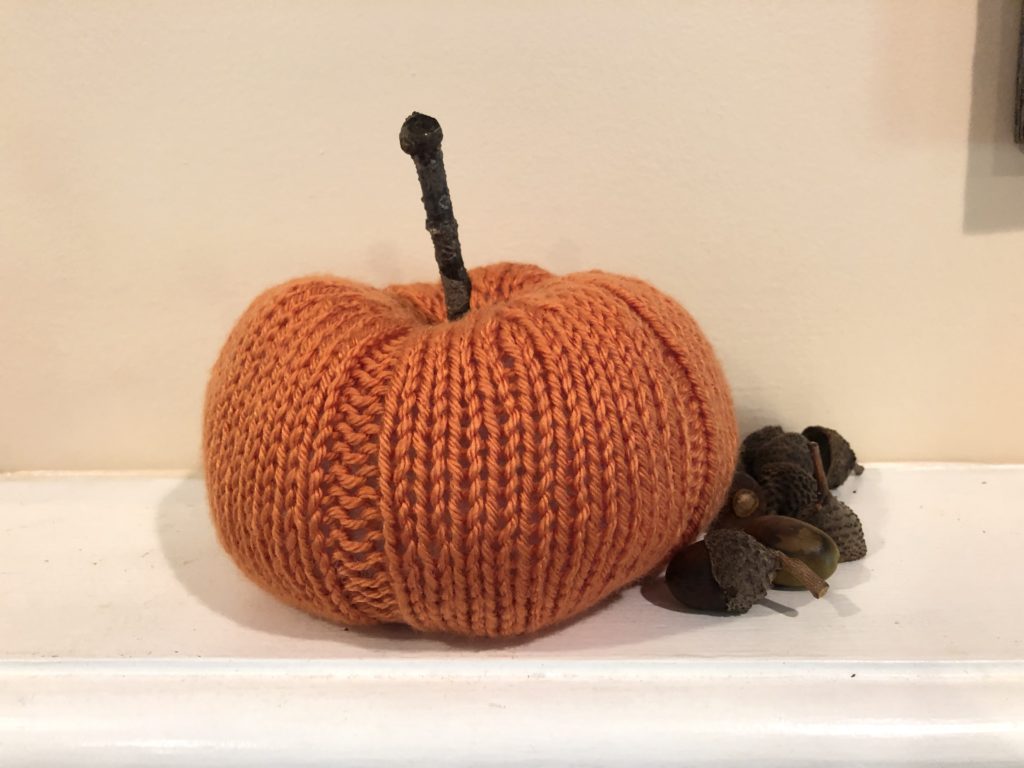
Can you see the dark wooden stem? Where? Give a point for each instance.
(420, 138)
(819, 473)
(800, 571)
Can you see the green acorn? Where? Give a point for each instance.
(798, 539)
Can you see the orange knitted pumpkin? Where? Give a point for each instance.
(368, 460)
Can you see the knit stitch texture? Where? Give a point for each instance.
(368, 461)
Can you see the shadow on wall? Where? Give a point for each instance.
(994, 188)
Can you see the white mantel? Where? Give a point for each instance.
(128, 638)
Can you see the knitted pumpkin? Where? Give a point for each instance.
(487, 458)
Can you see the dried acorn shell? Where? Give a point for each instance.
(798, 539)
(742, 566)
(789, 447)
(842, 524)
(746, 499)
(787, 488)
(837, 455)
(755, 440)
(832, 516)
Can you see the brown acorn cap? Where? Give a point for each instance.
(832, 516)
(790, 447)
(841, 523)
(753, 442)
(746, 499)
(742, 566)
(836, 454)
(788, 488)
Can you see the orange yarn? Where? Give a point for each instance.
(369, 461)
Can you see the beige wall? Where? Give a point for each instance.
(828, 186)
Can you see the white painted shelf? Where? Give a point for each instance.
(128, 638)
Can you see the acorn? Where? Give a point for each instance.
(798, 539)
(753, 442)
(789, 447)
(729, 570)
(845, 528)
(691, 580)
(787, 488)
(833, 516)
(836, 454)
(746, 499)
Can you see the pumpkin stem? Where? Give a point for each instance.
(420, 138)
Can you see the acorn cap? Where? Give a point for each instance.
(742, 566)
(746, 499)
(836, 454)
(842, 524)
(788, 488)
(753, 442)
(791, 447)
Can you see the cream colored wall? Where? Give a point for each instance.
(825, 185)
